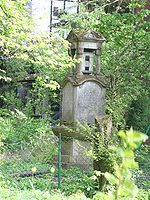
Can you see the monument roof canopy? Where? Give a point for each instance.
(82, 35)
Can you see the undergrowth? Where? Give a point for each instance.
(30, 144)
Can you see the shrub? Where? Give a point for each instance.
(122, 185)
(18, 133)
(143, 195)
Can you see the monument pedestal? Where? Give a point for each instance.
(74, 151)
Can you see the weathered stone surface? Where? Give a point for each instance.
(68, 103)
(83, 103)
(75, 146)
(85, 35)
(76, 151)
(80, 79)
(68, 132)
(90, 102)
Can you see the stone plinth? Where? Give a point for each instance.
(76, 150)
(75, 147)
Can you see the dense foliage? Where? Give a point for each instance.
(125, 57)
(75, 180)
(31, 65)
(28, 136)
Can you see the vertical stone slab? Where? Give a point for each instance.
(67, 103)
(90, 102)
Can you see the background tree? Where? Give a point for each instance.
(32, 65)
(125, 56)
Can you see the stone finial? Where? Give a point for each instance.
(86, 46)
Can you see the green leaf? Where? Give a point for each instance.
(129, 153)
(111, 178)
(122, 134)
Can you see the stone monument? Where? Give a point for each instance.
(83, 95)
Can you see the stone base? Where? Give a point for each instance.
(74, 151)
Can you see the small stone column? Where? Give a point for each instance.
(98, 61)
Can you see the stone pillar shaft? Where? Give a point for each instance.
(98, 61)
